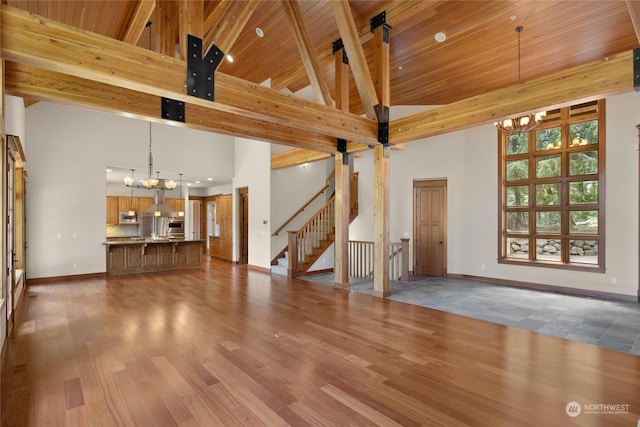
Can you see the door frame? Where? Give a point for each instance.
(243, 226)
(432, 182)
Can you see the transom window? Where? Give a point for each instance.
(552, 191)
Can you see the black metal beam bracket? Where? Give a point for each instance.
(173, 110)
(200, 71)
(380, 20)
(338, 45)
(636, 69)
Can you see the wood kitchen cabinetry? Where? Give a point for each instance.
(112, 210)
(116, 204)
(144, 203)
(128, 204)
(175, 204)
(221, 246)
(131, 257)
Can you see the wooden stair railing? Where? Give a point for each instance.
(309, 242)
(304, 206)
(361, 260)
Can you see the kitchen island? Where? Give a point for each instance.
(130, 256)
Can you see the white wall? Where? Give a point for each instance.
(290, 189)
(253, 170)
(67, 153)
(468, 160)
(15, 117)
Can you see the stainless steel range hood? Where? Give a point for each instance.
(159, 207)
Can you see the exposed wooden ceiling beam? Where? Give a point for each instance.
(309, 60)
(584, 82)
(396, 12)
(138, 21)
(223, 26)
(47, 44)
(27, 81)
(634, 14)
(296, 156)
(355, 53)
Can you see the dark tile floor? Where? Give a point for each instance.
(610, 324)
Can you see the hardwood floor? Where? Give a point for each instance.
(229, 346)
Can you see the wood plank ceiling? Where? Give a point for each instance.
(478, 57)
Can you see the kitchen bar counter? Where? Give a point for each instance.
(130, 256)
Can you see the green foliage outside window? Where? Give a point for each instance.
(551, 198)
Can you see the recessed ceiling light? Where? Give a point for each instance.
(197, 182)
(229, 58)
(189, 184)
(440, 37)
(259, 32)
(209, 179)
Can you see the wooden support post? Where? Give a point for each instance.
(166, 36)
(342, 203)
(292, 271)
(341, 242)
(381, 159)
(381, 222)
(191, 13)
(405, 259)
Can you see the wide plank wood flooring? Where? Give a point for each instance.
(227, 346)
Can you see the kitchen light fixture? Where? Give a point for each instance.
(150, 182)
(521, 124)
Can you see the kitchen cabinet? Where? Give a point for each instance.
(132, 257)
(144, 203)
(215, 248)
(112, 210)
(128, 204)
(175, 204)
(225, 203)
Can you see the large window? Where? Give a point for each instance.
(552, 191)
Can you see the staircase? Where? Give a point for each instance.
(282, 265)
(314, 237)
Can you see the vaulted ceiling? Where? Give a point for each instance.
(477, 60)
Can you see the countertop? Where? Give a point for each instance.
(140, 241)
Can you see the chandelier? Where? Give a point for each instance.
(520, 124)
(151, 182)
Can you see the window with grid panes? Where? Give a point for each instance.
(552, 191)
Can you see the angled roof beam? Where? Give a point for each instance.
(634, 14)
(47, 44)
(397, 11)
(27, 81)
(138, 21)
(355, 53)
(223, 25)
(307, 52)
